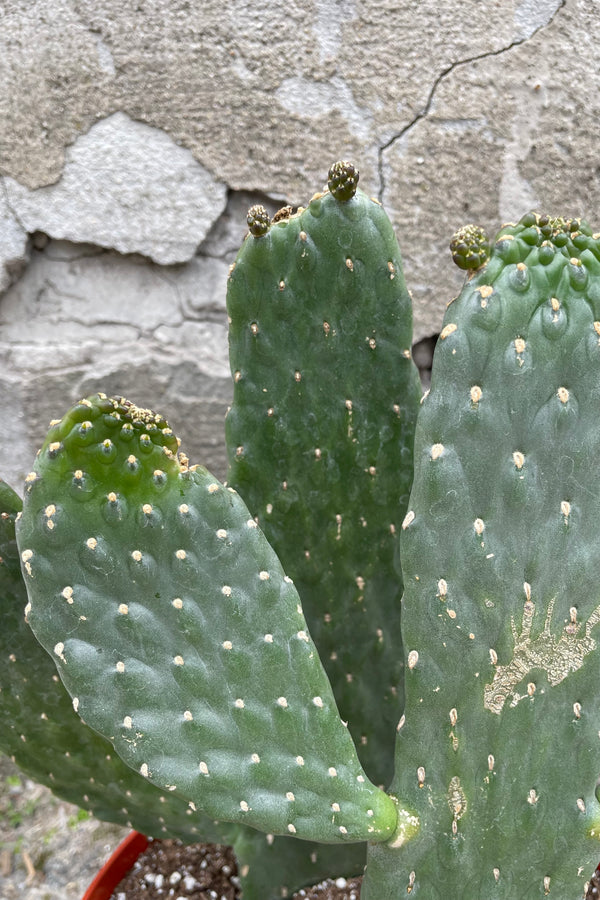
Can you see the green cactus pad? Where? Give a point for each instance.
(320, 437)
(40, 731)
(499, 748)
(178, 635)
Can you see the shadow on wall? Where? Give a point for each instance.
(422, 353)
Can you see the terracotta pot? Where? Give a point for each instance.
(117, 867)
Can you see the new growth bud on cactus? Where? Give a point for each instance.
(210, 638)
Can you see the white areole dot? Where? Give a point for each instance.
(413, 658)
(332, 772)
(239, 703)
(203, 768)
(227, 645)
(290, 796)
(409, 518)
(264, 576)
(255, 758)
(226, 590)
(244, 806)
(178, 660)
(67, 593)
(268, 638)
(187, 715)
(318, 702)
(448, 330)
(184, 509)
(177, 603)
(144, 770)
(128, 722)
(281, 701)
(123, 609)
(180, 554)
(137, 555)
(221, 533)
(291, 828)
(300, 759)
(75, 703)
(120, 666)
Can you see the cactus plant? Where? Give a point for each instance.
(41, 732)
(208, 631)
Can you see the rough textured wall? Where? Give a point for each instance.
(133, 136)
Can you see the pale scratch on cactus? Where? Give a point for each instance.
(556, 656)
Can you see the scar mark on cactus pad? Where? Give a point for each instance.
(457, 801)
(556, 656)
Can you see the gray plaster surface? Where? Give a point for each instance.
(127, 186)
(133, 135)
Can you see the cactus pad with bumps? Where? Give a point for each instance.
(320, 434)
(41, 732)
(178, 635)
(499, 746)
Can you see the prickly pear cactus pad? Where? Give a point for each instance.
(178, 635)
(41, 732)
(499, 748)
(321, 430)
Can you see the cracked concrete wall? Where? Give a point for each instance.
(133, 136)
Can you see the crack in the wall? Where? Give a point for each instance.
(451, 68)
(9, 206)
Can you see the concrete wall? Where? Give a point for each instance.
(134, 135)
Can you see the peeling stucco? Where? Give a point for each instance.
(134, 136)
(126, 186)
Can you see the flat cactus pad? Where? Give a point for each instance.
(178, 635)
(499, 749)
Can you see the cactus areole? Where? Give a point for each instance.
(383, 632)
